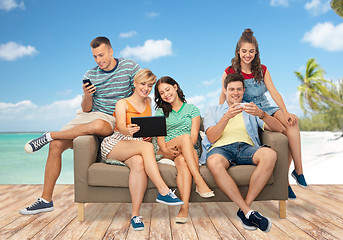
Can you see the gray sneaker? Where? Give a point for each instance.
(37, 207)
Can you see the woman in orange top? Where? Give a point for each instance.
(137, 154)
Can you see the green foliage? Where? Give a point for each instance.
(328, 116)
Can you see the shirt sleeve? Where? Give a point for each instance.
(194, 111)
(209, 119)
(135, 69)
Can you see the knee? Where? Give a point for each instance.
(99, 125)
(213, 164)
(137, 165)
(180, 163)
(268, 157)
(186, 138)
(57, 147)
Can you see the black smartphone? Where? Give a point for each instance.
(87, 81)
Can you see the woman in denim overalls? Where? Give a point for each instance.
(257, 82)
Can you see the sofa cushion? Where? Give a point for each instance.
(101, 174)
(105, 175)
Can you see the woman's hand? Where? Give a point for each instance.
(290, 118)
(147, 139)
(171, 152)
(132, 128)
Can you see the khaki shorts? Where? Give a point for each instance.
(87, 117)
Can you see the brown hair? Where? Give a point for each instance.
(256, 69)
(233, 77)
(96, 42)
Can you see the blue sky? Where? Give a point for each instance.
(44, 48)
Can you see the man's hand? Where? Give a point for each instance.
(233, 110)
(252, 109)
(88, 90)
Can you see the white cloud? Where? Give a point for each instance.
(209, 83)
(27, 116)
(326, 36)
(317, 7)
(152, 14)
(8, 5)
(282, 3)
(203, 102)
(152, 49)
(128, 34)
(12, 51)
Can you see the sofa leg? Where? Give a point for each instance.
(81, 212)
(282, 208)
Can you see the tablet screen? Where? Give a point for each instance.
(152, 126)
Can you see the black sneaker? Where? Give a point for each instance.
(36, 144)
(245, 222)
(263, 223)
(37, 207)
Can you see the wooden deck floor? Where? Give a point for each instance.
(316, 214)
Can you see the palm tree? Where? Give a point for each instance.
(313, 90)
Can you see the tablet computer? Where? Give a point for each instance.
(152, 126)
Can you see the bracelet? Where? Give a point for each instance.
(263, 114)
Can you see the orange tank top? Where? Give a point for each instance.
(132, 112)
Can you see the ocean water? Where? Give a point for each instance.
(19, 167)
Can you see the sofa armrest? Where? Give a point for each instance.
(85, 154)
(279, 143)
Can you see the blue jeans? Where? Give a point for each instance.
(238, 153)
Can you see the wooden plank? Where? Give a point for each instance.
(332, 192)
(289, 229)
(145, 212)
(75, 229)
(303, 220)
(57, 225)
(184, 231)
(314, 219)
(160, 222)
(311, 197)
(63, 200)
(202, 223)
(223, 225)
(120, 225)
(99, 226)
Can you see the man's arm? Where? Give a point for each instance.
(87, 99)
(215, 132)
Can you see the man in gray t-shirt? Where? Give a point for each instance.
(110, 81)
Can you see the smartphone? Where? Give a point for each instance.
(87, 81)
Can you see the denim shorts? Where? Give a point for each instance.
(238, 153)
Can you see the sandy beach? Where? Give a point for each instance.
(322, 158)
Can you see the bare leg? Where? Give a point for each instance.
(218, 165)
(137, 182)
(53, 166)
(184, 184)
(184, 142)
(97, 127)
(294, 141)
(265, 159)
(126, 149)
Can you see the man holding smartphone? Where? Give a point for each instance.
(105, 84)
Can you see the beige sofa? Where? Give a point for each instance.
(96, 182)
